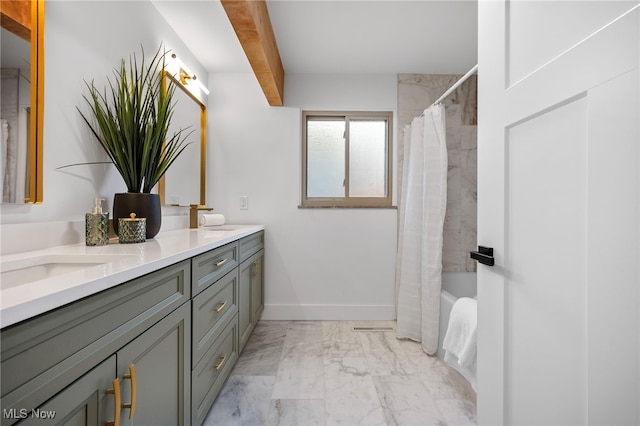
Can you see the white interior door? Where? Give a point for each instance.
(559, 201)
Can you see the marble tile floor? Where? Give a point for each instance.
(305, 373)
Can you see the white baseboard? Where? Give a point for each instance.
(328, 312)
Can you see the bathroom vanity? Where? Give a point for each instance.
(146, 339)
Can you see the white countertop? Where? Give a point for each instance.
(27, 300)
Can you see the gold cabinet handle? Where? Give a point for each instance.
(131, 376)
(219, 365)
(256, 269)
(116, 403)
(221, 307)
(222, 262)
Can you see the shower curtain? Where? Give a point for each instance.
(422, 206)
(9, 113)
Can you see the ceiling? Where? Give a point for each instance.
(339, 36)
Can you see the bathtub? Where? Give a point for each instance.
(454, 286)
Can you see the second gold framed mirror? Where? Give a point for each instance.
(185, 181)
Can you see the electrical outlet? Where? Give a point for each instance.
(244, 202)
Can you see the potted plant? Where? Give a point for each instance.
(131, 119)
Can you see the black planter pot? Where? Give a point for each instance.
(143, 205)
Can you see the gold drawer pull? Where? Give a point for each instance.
(219, 365)
(115, 391)
(221, 307)
(131, 376)
(222, 262)
(256, 269)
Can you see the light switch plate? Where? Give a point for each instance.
(244, 202)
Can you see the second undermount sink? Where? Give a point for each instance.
(219, 229)
(26, 270)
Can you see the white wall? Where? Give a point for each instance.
(86, 41)
(320, 263)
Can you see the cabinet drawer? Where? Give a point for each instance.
(43, 355)
(208, 267)
(211, 310)
(250, 245)
(211, 372)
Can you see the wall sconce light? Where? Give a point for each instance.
(186, 76)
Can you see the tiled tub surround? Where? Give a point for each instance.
(324, 373)
(415, 93)
(28, 300)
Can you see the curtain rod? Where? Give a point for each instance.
(456, 85)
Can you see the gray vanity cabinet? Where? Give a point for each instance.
(85, 402)
(151, 374)
(210, 266)
(159, 347)
(212, 309)
(155, 373)
(257, 299)
(250, 245)
(145, 321)
(215, 326)
(225, 311)
(250, 304)
(212, 371)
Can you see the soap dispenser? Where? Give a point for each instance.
(97, 225)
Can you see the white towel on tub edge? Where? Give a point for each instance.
(461, 337)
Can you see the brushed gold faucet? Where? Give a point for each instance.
(193, 214)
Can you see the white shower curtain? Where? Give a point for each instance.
(423, 201)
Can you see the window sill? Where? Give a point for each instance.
(348, 207)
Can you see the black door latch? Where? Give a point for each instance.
(484, 255)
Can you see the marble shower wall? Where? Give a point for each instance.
(415, 93)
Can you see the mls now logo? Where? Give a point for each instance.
(23, 413)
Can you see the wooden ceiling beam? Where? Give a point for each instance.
(15, 16)
(251, 22)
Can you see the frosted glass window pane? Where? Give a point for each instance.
(325, 158)
(367, 158)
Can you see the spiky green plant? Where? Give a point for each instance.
(131, 121)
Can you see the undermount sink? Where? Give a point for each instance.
(22, 271)
(220, 228)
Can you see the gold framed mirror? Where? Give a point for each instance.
(182, 185)
(22, 94)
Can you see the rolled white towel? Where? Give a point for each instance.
(461, 337)
(211, 219)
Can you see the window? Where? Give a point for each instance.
(346, 159)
